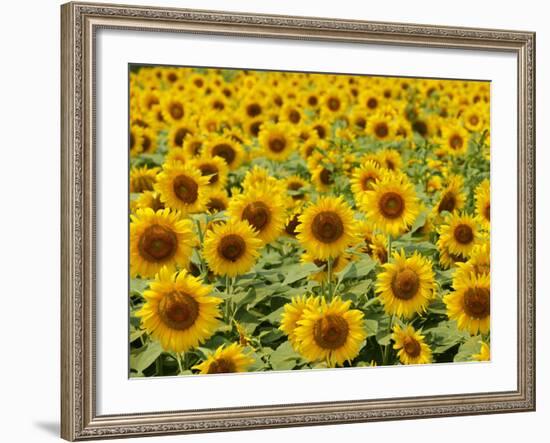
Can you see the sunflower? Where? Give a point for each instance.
(277, 140)
(407, 285)
(479, 263)
(179, 132)
(217, 201)
(296, 187)
(334, 103)
(292, 114)
(143, 179)
(454, 139)
(375, 245)
(214, 168)
(226, 360)
(327, 227)
(392, 206)
(483, 203)
(231, 248)
(293, 313)
(332, 333)
(322, 177)
(179, 311)
(293, 220)
(172, 108)
(312, 146)
(412, 349)
(470, 303)
(159, 239)
(380, 126)
(182, 187)
(452, 198)
(135, 140)
(484, 352)
(260, 177)
(262, 209)
(148, 199)
(226, 148)
(460, 234)
(473, 118)
(446, 258)
(390, 159)
(364, 177)
(338, 264)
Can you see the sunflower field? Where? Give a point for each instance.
(286, 221)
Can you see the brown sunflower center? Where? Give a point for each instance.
(487, 211)
(215, 205)
(321, 131)
(463, 234)
(186, 189)
(296, 186)
(447, 203)
(180, 135)
(382, 255)
(294, 116)
(143, 183)
(331, 332)
(361, 122)
(146, 143)
(152, 101)
(405, 284)
(372, 103)
(312, 100)
(477, 302)
(178, 310)
(456, 141)
(253, 110)
(211, 170)
(391, 205)
(291, 226)
(231, 247)
(333, 103)
(277, 144)
(326, 177)
(474, 120)
(257, 214)
(157, 243)
(176, 111)
(412, 347)
(225, 151)
(196, 147)
(367, 183)
(420, 127)
(221, 366)
(255, 128)
(132, 140)
(457, 258)
(323, 263)
(327, 227)
(381, 130)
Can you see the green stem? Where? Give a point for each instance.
(228, 292)
(329, 279)
(387, 348)
(179, 358)
(202, 265)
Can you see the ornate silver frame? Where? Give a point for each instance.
(80, 21)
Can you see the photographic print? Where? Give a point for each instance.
(290, 221)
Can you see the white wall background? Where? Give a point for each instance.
(29, 217)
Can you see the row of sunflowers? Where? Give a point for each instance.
(285, 221)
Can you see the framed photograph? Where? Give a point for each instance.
(283, 221)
